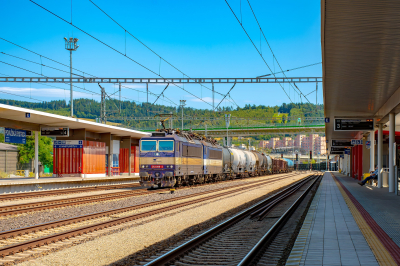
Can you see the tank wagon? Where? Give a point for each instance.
(173, 158)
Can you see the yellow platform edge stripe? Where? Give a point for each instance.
(382, 255)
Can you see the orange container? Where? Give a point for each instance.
(79, 157)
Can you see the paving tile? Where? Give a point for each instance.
(330, 234)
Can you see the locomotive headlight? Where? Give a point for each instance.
(142, 166)
(171, 166)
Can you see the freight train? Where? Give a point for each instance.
(170, 158)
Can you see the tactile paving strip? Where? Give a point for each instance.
(384, 248)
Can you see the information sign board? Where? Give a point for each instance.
(347, 151)
(356, 142)
(368, 144)
(14, 136)
(338, 149)
(336, 152)
(55, 131)
(347, 124)
(68, 144)
(341, 143)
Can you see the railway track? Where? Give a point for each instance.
(56, 192)
(60, 203)
(36, 242)
(240, 239)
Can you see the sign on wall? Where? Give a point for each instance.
(68, 144)
(55, 131)
(356, 142)
(14, 136)
(341, 143)
(346, 124)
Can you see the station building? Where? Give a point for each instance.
(89, 149)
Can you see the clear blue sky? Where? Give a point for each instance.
(201, 38)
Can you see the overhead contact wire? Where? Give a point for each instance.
(248, 36)
(112, 48)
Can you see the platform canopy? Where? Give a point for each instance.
(361, 60)
(15, 117)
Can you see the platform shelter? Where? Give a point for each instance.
(89, 149)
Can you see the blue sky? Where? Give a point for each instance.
(201, 38)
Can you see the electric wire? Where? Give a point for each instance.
(20, 96)
(45, 76)
(112, 48)
(289, 70)
(255, 17)
(91, 92)
(73, 68)
(256, 48)
(161, 58)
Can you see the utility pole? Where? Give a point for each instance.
(71, 45)
(213, 96)
(227, 122)
(182, 105)
(103, 117)
(147, 88)
(120, 98)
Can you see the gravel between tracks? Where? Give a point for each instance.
(110, 248)
(64, 196)
(29, 219)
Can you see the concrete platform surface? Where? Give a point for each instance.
(21, 184)
(330, 234)
(384, 207)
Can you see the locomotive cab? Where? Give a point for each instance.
(157, 160)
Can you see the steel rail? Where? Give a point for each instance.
(33, 228)
(193, 243)
(9, 250)
(24, 195)
(52, 204)
(274, 230)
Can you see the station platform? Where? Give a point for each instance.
(348, 224)
(22, 184)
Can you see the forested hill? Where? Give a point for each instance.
(88, 108)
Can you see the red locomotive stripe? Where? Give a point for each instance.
(389, 244)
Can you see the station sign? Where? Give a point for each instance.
(342, 156)
(356, 142)
(338, 149)
(327, 120)
(368, 144)
(14, 136)
(68, 144)
(348, 124)
(55, 131)
(341, 143)
(336, 152)
(347, 151)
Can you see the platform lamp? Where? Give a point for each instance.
(71, 45)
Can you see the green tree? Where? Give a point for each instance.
(27, 151)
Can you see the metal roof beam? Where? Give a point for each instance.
(160, 80)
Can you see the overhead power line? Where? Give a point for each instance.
(151, 50)
(289, 70)
(83, 72)
(255, 17)
(114, 49)
(248, 36)
(44, 76)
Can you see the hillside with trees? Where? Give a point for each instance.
(131, 113)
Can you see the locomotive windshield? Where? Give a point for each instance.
(165, 145)
(148, 145)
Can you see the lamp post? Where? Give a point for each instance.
(182, 105)
(71, 45)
